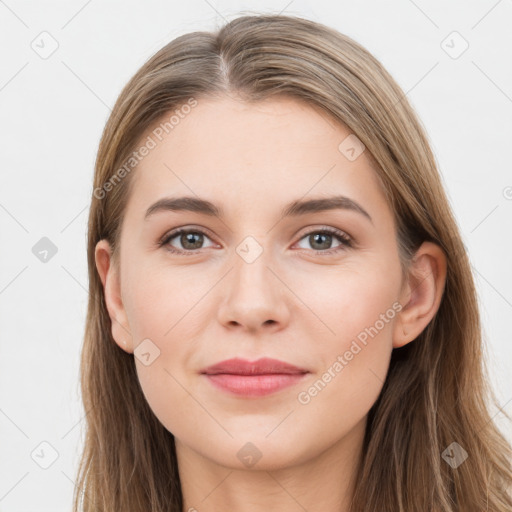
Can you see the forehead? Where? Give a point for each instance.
(252, 155)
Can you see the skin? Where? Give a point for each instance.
(292, 303)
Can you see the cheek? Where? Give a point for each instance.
(344, 302)
(165, 316)
(160, 301)
(357, 311)
(360, 310)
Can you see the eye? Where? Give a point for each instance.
(193, 239)
(321, 240)
(189, 239)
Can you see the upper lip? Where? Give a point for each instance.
(263, 366)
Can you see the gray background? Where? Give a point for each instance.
(53, 108)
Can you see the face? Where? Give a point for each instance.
(316, 288)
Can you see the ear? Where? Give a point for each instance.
(109, 276)
(421, 294)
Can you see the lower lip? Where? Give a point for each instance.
(254, 385)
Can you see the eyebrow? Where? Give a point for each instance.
(295, 208)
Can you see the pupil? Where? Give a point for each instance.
(189, 238)
(317, 235)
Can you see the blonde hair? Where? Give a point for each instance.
(436, 391)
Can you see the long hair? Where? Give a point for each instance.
(436, 392)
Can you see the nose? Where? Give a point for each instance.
(254, 296)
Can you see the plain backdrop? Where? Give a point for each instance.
(452, 59)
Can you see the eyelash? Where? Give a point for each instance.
(346, 241)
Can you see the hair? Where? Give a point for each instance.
(437, 390)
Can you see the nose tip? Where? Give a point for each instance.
(253, 298)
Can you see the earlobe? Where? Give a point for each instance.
(422, 293)
(110, 279)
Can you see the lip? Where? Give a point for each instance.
(257, 378)
(263, 366)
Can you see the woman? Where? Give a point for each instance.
(282, 315)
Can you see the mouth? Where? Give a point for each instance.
(253, 379)
(254, 385)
